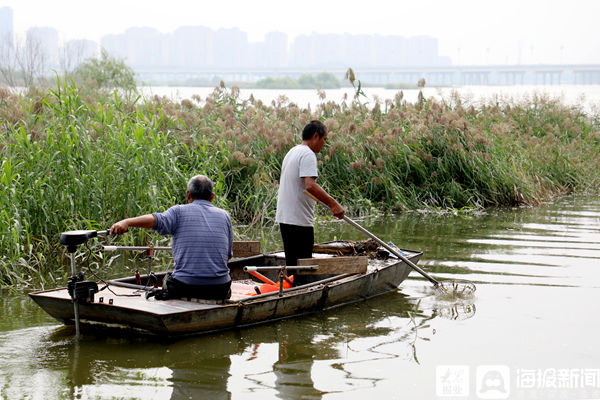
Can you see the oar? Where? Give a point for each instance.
(260, 276)
(469, 287)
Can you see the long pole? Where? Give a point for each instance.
(392, 250)
(381, 242)
(115, 248)
(75, 302)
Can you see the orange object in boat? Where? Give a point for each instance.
(267, 288)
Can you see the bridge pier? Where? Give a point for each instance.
(548, 77)
(511, 78)
(441, 78)
(475, 78)
(586, 77)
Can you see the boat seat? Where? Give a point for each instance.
(334, 265)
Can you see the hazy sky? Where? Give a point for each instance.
(469, 31)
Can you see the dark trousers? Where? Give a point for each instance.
(178, 290)
(298, 243)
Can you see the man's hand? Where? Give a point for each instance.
(143, 221)
(119, 227)
(337, 211)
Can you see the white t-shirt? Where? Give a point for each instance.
(293, 206)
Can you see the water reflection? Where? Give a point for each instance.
(293, 372)
(453, 311)
(310, 350)
(281, 359)
(536, 272)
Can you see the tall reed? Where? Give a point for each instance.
(74, 159)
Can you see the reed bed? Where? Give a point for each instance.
(75, 159)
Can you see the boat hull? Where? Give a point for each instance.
(127, 308)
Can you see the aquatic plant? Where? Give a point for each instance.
(74, 158)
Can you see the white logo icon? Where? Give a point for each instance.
(493, 382)
(452, 380)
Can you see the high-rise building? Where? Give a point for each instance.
(146, 47)
(139, 47)
(276, 50)
(257, 55)
(74, 52)
(45, 41)
(333, 50)
(115, 46)
(389, 51)
(230, 48)
(304, 51)
(6, 24)
(191, 47)
(360, 50)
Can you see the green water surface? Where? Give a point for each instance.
(531, 330)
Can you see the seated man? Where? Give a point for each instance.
(202, 243)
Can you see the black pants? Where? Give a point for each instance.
(298, 243)
(178, 290)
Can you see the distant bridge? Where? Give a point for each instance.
(434, 76)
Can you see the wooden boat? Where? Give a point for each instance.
(125, 305)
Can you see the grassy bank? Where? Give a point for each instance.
(73, 161)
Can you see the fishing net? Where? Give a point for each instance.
(455, 288)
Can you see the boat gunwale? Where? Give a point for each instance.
(275, 295)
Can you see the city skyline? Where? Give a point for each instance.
(199, 54)
(469, 32)
(199, 47)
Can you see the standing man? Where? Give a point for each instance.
(295, 210)
(202, 243)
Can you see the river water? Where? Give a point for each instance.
(530, 332)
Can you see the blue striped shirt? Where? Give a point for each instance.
(202, 241)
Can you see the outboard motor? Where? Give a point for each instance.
(79, 289)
